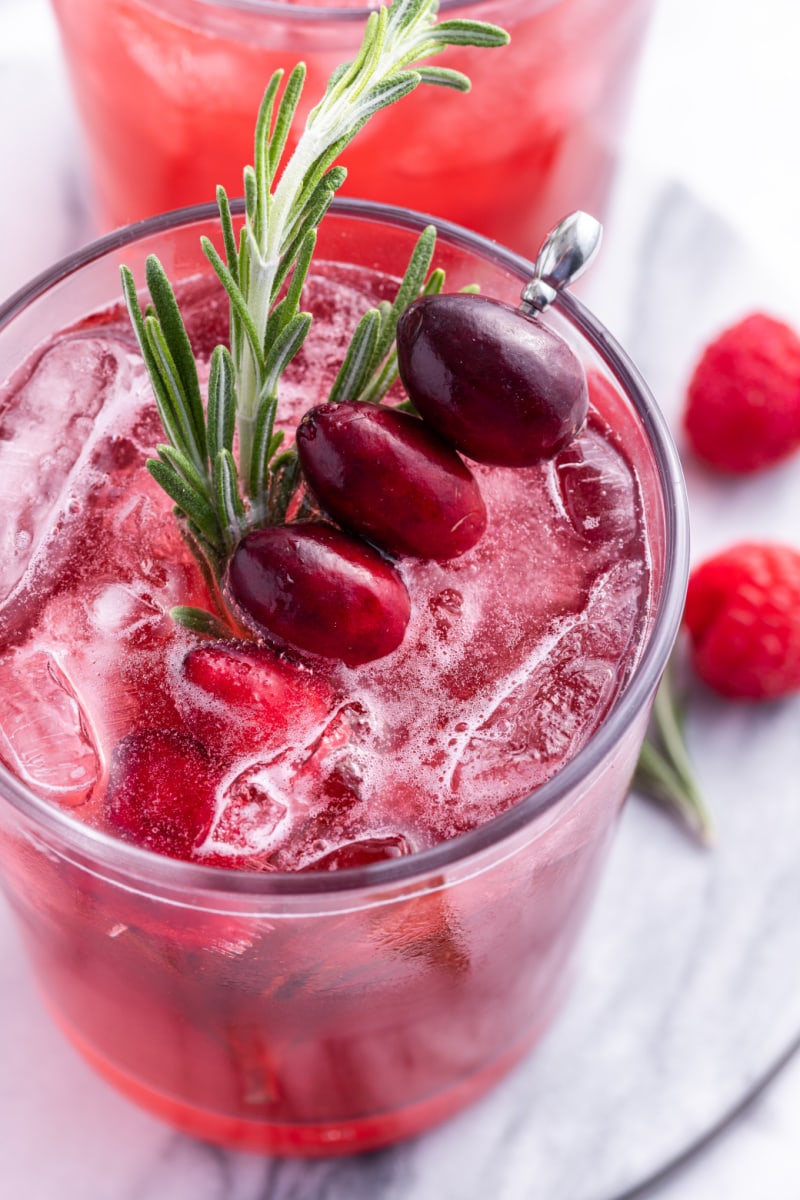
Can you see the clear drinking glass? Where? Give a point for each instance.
(343, 1010)
(167, 89)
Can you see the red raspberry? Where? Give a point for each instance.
(743, 615)
(743, 402)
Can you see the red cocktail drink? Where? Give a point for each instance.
(167, 89)
(412, 853)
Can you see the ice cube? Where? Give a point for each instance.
(296, 806)
(250, 816)
(47, 433)
(596, 489)
(119, 610)
(46, 737)
(520, 737)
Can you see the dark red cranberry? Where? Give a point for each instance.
(503, 388)
(160, 791)
(262, 698)
(321, 590)
(361, 853)
(387, 476)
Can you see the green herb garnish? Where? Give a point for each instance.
(223, 464)
(664, 771)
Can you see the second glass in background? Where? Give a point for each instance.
(168, 91)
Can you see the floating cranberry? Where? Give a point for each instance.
(261, 698)
(160, 791)
(321, 590)
(362, 853)
(387, 476)
(502, 387)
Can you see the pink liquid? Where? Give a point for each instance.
(167, 94)
(514, 653)
(351, 1024)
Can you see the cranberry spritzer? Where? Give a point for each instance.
(336, 585)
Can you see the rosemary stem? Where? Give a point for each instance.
(246, 429)
(263, 275)
(308, 150)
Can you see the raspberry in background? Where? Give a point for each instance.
(743, 402)
(743, 616)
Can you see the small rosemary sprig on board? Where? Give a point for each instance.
(664, 771)
(223, 464)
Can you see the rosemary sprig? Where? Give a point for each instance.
(664, 771)
(223, 466)
(370, 366)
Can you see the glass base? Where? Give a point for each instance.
(304, 1140)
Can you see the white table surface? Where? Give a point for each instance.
(716, 114)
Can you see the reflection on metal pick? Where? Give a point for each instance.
(565, 254)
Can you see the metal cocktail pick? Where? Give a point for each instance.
(565, 254)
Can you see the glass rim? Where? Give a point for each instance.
(315, 12)
(157, 870)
